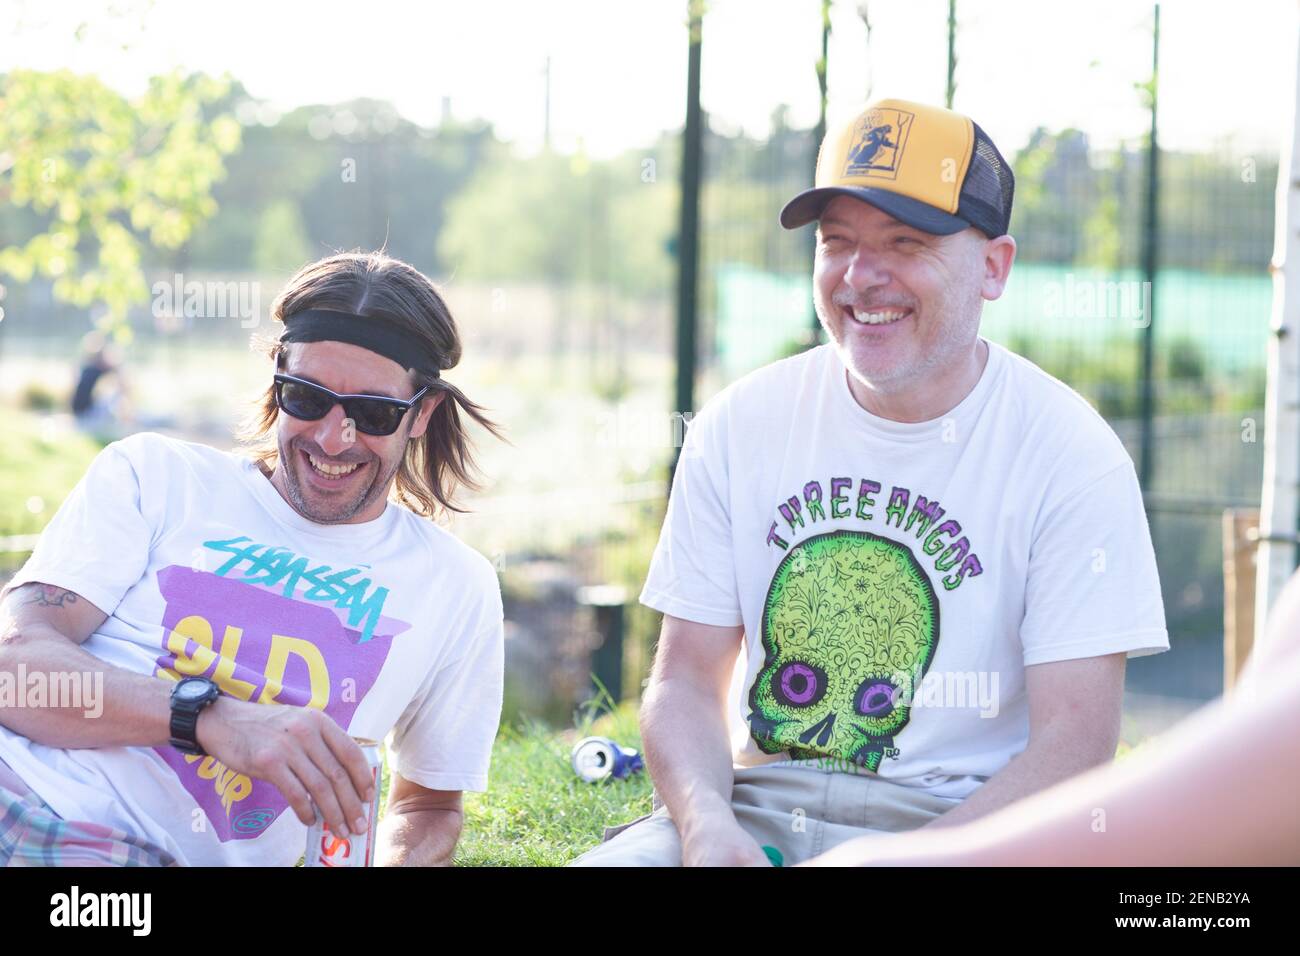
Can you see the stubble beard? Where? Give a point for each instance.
(954, 341)
(340, 515)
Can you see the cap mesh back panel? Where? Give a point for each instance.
(987, 193)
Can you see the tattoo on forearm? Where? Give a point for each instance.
(50, 596)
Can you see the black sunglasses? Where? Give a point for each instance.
(372, 414)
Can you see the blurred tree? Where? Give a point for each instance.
(1052, 193)
(106, 175)
(563, 219)
(1184, 360)
(520, 218)
(281, 244)
(1103, 245)
(379, 180)
(1074, 204)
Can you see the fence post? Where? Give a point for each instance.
(688, 230)
(952, 54)
(1150, 264)
(608, 602)
(1280, 500)
(819, 133)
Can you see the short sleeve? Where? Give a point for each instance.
(692, 572)
(1093, 587)
(443, 740)
(97, 544)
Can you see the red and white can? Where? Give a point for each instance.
(358, 849)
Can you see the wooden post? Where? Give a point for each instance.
(1240, 547)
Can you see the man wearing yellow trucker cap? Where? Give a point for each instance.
(901, 572)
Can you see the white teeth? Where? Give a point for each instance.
(877, 318)
(334, 471)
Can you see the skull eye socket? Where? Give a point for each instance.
(799, 684)
(875, 698)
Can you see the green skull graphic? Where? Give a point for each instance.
(850, 618)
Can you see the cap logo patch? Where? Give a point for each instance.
(878, 143)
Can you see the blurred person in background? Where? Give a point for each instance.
(100, 399)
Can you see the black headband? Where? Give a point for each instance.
(380, 336)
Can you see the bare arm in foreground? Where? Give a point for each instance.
(1217, 790)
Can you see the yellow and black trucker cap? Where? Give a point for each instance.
(931, 168)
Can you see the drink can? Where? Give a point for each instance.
(358, 849)
(599, 758)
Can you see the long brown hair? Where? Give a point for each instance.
(438, 464)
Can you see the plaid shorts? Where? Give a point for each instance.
(32, 834)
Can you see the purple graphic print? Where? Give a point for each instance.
(265, 648)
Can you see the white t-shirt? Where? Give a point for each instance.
(203, 568)
(894, 580)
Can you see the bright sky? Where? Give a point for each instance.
(618, 66)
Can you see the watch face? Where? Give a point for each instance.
(192, 689)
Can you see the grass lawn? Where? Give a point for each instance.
(536, 811)
(39, 458)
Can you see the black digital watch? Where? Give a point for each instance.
(189, 697)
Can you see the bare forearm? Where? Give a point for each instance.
(87, 702)
(1155, 808)
(684, 732)
(1036, 768)
(1159, 807)
(419, 838)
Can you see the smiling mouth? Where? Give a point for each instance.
(879, 317)
(329, 471)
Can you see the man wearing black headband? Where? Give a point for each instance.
(900, 573)
(335, 474)
(237, 623)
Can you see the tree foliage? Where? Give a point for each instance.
(106, 175)
(567, 219)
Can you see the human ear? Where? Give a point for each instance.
(999, 254)
(427, 405)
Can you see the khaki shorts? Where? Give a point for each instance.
(802, 811)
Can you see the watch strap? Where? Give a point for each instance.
(184, 722)
(184, 731)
